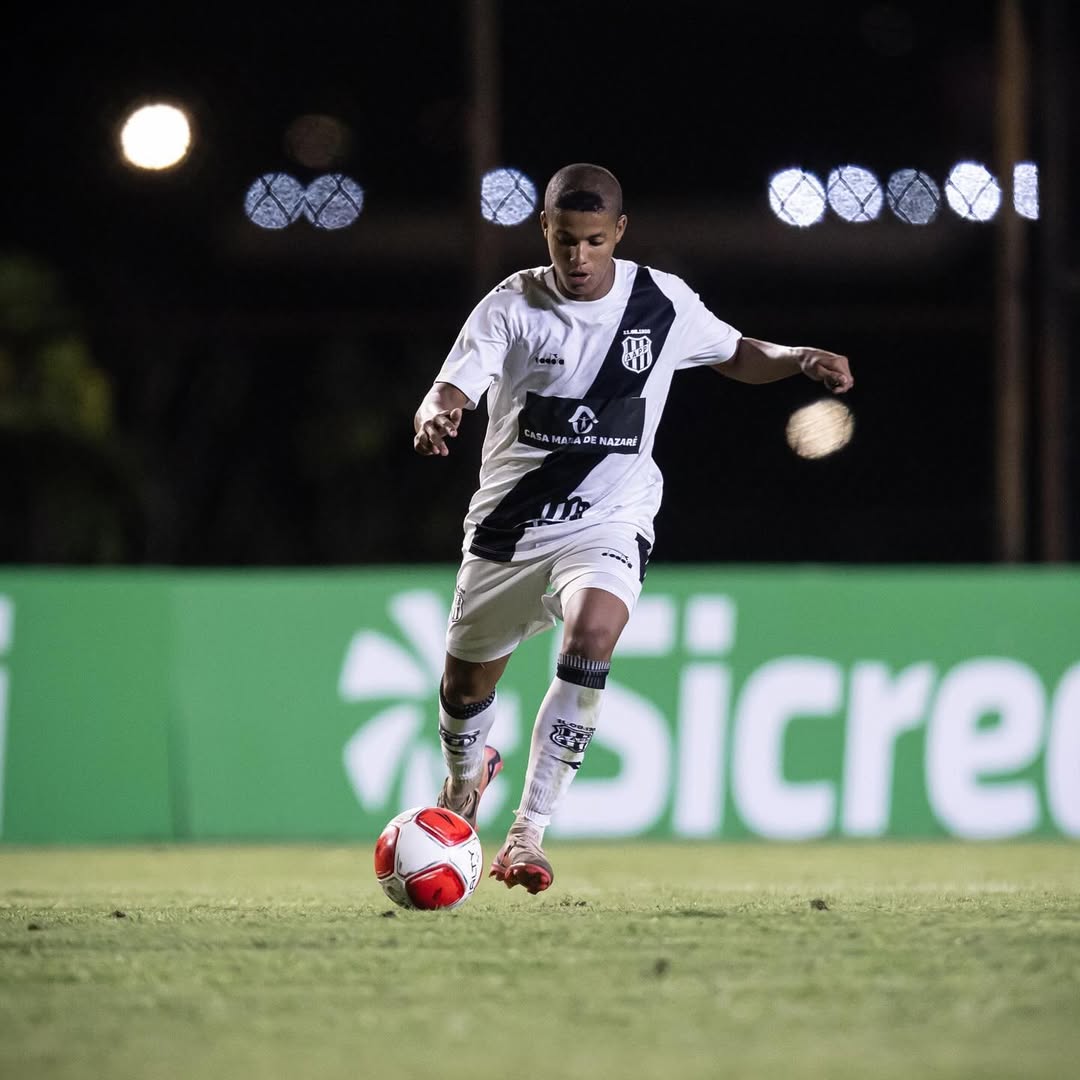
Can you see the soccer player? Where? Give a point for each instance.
(576, 359)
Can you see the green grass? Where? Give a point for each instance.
(643, 961)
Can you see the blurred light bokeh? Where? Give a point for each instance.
(214, 358)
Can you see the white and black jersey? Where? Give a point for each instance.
(575, 393)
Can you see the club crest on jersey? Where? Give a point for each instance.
(637, 351)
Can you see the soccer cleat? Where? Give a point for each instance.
(469, 804)
(521, 861)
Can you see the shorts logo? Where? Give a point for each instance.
(550, 360)
(458, 742)
(459, 604)
(572, 737)
(618, 555)
(637, 351)
(583, 420)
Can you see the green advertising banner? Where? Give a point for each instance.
(777, 703)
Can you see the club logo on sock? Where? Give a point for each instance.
(572, 737)
(457, 742)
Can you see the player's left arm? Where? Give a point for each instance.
(762, 362)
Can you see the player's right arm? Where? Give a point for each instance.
(473, 364)
(438, 419)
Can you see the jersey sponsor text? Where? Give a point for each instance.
(592, 425)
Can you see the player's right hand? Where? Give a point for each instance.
(830, 368)
(431, 436)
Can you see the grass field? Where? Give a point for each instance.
(643, 961)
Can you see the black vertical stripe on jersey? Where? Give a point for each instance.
(557, 477)
(644, 549)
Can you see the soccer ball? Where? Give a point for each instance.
(428, 858)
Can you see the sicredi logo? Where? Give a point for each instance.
(996, 748)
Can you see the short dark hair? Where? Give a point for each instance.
(589, 188)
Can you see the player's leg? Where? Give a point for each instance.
(496, 606)
(466, 714)
(563, 730)
(568, 716)
(596, 583)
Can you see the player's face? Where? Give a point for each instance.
(581, 246)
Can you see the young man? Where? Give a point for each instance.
(576, 359)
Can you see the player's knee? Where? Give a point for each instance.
(466, 686)
(589, 639)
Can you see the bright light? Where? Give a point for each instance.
(797, 197)
(333, 201)
(1026, 190)
(854, 193)
(507, 197)
(156, 137)
(820, 429)
(972, 191)
(274, 201)
(913, 196)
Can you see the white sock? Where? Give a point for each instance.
(463, 732)
(563, 730)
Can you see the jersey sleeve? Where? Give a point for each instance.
(703, 338)
(477, 357)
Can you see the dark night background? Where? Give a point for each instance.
(180, 387)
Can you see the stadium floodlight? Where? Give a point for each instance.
(1026, 190)
(797, 197)
(507, 197)
(155, 137)
(274, 201)
(820, 429)
(333, 201)
(972, 191)
(854, 193)
(913, 196)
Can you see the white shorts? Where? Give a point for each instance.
(499, 605)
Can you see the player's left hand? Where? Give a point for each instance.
(832, 369)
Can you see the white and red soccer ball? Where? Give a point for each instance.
(428, 858)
